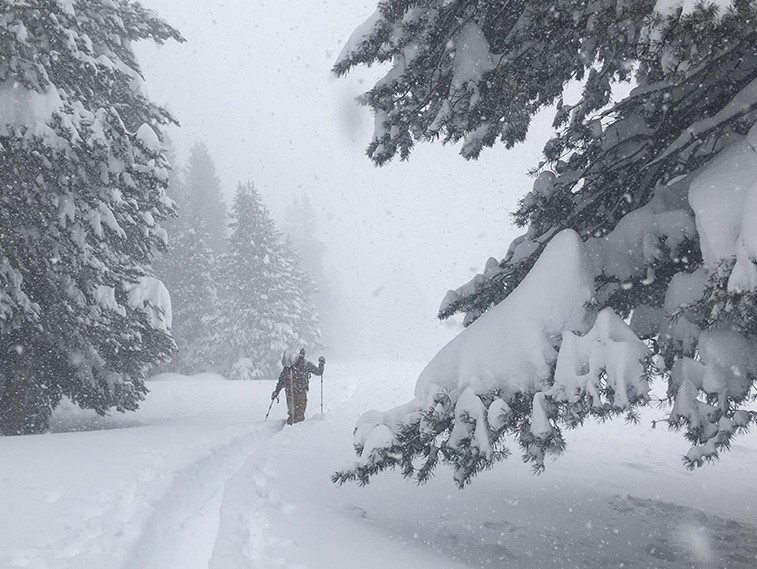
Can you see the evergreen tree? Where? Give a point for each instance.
(189, 271)
(189, 268)
(203, 199)
(265, 305)
(301, 227)
(299, 296)
(642, 208)
(82, 195)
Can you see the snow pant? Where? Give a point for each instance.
(297, 401)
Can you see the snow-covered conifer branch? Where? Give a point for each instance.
(658, 188)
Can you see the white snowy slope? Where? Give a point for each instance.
(196, 479)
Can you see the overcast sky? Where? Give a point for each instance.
(253, 82)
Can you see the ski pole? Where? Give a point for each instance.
(321, 394)
(269, 408)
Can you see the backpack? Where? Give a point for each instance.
(289, 357)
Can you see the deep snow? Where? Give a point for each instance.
(197, 479)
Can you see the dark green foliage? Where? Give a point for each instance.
(82, 181)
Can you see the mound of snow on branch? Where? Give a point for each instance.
(724, 198)
(511, 347)
(539, 357)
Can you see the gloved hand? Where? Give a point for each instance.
(322, 360)
(274, 395)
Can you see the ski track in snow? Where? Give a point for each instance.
(215, 514)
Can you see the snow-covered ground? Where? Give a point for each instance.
(197, 479)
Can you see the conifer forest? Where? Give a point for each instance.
(378, 283)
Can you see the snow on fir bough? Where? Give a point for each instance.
(494, 378)
(640, 245)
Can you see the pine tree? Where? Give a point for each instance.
(82, 195)
(298, 298)
(189, 268)
(203, 198)
(301, 227)
(264, 306)
(642, 204)
(189, 271)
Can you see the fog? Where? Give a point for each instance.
(253, 82)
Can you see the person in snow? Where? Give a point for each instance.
(295, 380)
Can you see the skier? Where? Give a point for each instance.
(295, 380)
